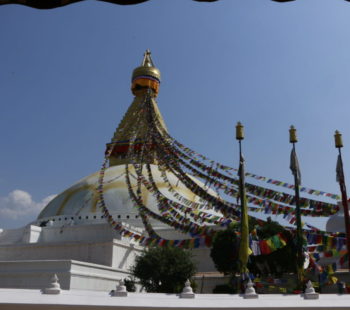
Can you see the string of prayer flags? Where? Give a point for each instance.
(257, 177)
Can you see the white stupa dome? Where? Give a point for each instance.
(79, 202)
(336, 222)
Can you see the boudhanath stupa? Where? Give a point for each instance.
(150, 190)
(72, 237)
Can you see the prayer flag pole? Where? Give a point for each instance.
(244, 250)
(294, 167)
(341, 180)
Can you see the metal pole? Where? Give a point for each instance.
(299, 230)
(240, 137)
(241, 192)
(345, 207)
(341, 180)
(244, 225)
(294, 166)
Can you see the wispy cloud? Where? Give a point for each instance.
(18, 204)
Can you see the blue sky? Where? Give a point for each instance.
(65, 85)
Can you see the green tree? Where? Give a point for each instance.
(278, 262)
(225, 249)
(164, 269)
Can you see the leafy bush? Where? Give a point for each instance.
(224, 251)
(130, 285)
(164, 269)
(224, 289)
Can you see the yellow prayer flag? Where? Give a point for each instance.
(244, 250)
(333, 279)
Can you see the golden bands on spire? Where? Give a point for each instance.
(145, 77)
(140, 86)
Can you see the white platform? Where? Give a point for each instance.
(11, 299)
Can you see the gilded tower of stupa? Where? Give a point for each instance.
(145, 79)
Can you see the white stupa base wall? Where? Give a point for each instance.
(86, 256)
(203, 261)
(92, 243)
(71, 274)
(115, 253)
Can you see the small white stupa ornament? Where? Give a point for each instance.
(187, 291)
(310, 291)
(54, 287)
(250, 291)
(120, 290)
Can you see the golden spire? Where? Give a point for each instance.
(145, 77)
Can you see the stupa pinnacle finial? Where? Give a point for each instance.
(145, 77)
(147, 59)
